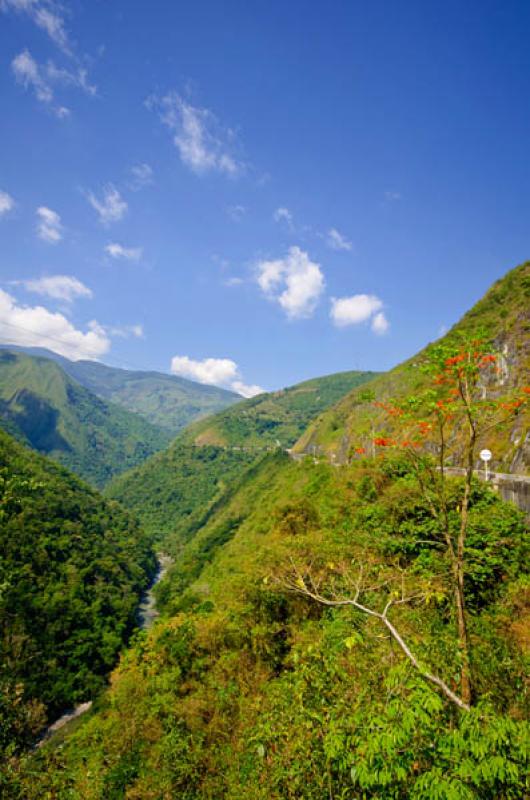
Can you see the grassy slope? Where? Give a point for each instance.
(504, 314)
(164, 400)
(172, 491)
(248, 691)
(55, 415)
(276, 416)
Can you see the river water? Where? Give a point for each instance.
(146, 615)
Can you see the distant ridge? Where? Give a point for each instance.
(172, 491)
(164, 400)
(52, 413)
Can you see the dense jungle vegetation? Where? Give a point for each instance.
(174, 491)
(352, 628)
(72, 568)
(249, 689)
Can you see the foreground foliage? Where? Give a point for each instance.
(250, 690)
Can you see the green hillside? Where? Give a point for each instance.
(167, 401)
(275, 417)
(72, 568)
(52, 413)
(345, 628)
(503, 317)
(172, 491)
(248, 690)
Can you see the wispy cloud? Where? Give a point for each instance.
(283, 214)
(116, 250)
(204, 145)
(58, 287)
(294, 282)
(46, 14)
(215, 371)
(43, 79)
(359, 308)
(392, 196)
(35, 326)
(337, 241)
(127, 331)
(7, 203)
(111, 207)
(49, 227)
(236, 213)
(141, 176)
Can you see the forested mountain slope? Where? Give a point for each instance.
(72, 568)
(347, 629)
(503, 317)
(248, 689)
(164, 400)
(45, 408)
(275, 417)
(173, 491)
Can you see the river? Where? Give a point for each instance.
(146, 615)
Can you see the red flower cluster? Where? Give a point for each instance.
(382, 441)
(360, 451)
(450, 362)
(393, 411)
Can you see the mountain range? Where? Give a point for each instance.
(172, 491)
(167, 401)
(308, 644)
(308, 621)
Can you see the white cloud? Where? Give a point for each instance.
(295, 282)
(46, 14)
(128, 253)
(7, 203)
(283, 215)
(43, 78)
(337, 241)
(380, 324)
(126, 331)
(141, 176)
(66, 77)
(111, 208)
(49, 227)
(59, 287)
(203, 144)
(391, 196)
(236, 213)
(217, 371)
(234, 281)
(359, 308)
(246, 390)
(35, 326)
(28, 73)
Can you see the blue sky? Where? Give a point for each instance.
(257, 193)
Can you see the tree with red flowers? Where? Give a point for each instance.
(463, 402)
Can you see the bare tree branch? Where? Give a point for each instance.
(299, 585)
